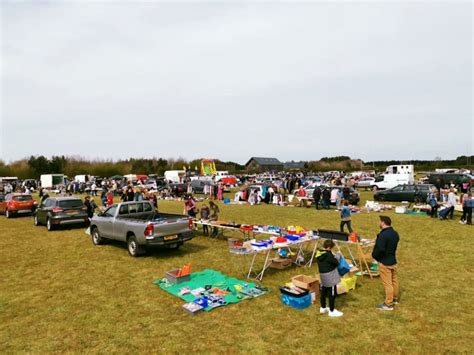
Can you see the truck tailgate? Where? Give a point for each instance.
(170, 225)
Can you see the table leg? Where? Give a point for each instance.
(265, 266)
(310, 262)
(251, 265)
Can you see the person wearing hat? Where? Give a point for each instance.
(384, 252)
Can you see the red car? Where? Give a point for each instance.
(16, 204)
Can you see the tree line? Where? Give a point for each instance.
(35, 166)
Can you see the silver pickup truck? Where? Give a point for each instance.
(138, 225)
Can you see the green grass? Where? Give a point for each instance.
(60, 293)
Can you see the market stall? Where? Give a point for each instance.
(248, 231)
(285, 250)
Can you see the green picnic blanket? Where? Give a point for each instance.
(413, 212)
(204, 278)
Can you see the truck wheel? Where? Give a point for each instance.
(8, 214)
(96, 238)
(49, 225)
(36, 220)
(134, 249)
(375, 188)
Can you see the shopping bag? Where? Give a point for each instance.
(343, 267)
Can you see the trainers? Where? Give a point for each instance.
(335, 313)
(323, 310)
(385, 307)
(396, 301)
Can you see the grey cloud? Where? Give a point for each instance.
(291, 80)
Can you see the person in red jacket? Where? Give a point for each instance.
(110, 198)
(301, 192)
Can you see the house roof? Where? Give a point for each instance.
(264, 161)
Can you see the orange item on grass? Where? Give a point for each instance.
(353, 237)
(186, 270)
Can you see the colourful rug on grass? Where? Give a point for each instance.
(209, 277)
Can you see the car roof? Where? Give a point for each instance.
(65, 198)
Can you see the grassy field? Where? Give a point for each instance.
(60, 293)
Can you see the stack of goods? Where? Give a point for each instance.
(236, 245)
(246, 227)
(376, 207)
(301, 292)
(267, 229)
(230, 225)
(209, 289)
(296, 230)
(177, 276)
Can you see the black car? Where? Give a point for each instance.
(198, 185)
(443, 179)
(409, 192)
(60, 211)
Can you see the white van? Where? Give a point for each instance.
(175, 176)
(82, 178)
(49, 181)
(400, 169)
(394, 175)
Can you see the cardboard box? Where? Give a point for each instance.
(280, 263)
(306, 282)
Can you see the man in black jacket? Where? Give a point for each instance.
(317, 197)
(385, 253)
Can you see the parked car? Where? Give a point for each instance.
(365, 183)
(16, 203)
(449, 178)
(60, 211)
(178, 189)
(138, 225)
(410, 193)
(151, 184)
(198, 185)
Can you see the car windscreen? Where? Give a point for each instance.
(22, 198)
(70, 204)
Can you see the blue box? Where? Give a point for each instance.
(296, 302)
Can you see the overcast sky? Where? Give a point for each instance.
(295, 81)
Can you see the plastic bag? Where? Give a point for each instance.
(343, 267)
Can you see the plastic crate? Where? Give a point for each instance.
(172, 277)
(302, 302)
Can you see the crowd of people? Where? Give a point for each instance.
(448, 199)
(384, 253)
